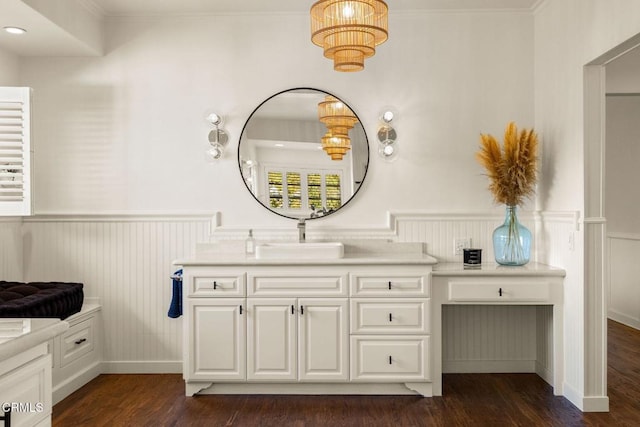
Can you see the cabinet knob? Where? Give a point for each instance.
(500, 292)
(390, 360)
(389, 284)
(390, 317)
(80, 341)
(215, 285)
(292, 309)
(240, 308)
(302, 309)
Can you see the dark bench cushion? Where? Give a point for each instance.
(40, 299)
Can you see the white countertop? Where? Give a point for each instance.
(348, 259)
(355, 252)
(18, 335)
(493, 269)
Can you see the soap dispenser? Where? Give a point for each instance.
(250, 244)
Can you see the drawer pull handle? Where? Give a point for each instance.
(390, 318)
(390, 360)
(240, 308)
(302, 309)
(500, 292)
(80, 341)
(215, 285)
(292, 309)
(389, 284)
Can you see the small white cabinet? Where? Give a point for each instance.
(216, 337)
(305, 339)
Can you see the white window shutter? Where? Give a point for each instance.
(15, 151)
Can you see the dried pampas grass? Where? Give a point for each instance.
(511, 169)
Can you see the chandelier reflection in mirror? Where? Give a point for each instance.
(349, 30)
(339, 120)
(283, 163)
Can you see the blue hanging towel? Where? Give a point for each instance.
(175, 309)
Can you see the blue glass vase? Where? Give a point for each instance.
(512, 240)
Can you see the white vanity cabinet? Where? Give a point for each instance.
(258, 326)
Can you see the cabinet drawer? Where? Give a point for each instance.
(312, 284)
(394, 284)
(399, 316)
(497, 291)
(390, 359)
(77, 341)
(221, 285)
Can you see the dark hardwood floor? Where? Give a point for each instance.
(469, 400)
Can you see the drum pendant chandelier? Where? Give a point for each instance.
(349, 30)
(339, 119)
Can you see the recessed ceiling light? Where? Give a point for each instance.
(15, 30)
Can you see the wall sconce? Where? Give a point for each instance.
(218, 138)
(387, 136)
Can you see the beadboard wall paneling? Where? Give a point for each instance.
(624, 278)
(126, 261)
(11, 266)
(480, 338)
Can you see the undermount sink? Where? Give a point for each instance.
(304, 250)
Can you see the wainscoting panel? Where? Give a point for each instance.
(11, 249)
(126, 261)
(624, 278)
(478, 338)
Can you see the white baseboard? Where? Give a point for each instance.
(72, 384)
(142, 367)
(624, 319)
(488, 366)
(545, 373)
(586, 403)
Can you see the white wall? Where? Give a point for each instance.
(622, 159)
(9, 66)
(568, 35)
(124, 132)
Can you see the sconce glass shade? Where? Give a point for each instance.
(215, 152)
(349, 30)
(388, 152)
(213, 119)
(387, 116)
(339, 119)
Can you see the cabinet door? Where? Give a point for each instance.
(271, 339)
(323, 339)
(216, 339)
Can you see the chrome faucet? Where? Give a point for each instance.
(302, 230)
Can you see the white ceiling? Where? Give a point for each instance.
(53, 30)
(163, 7)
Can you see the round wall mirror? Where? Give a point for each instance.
(303, 153)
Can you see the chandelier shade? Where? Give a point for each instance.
(339, 119)
(349, 30)
(336, 146)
